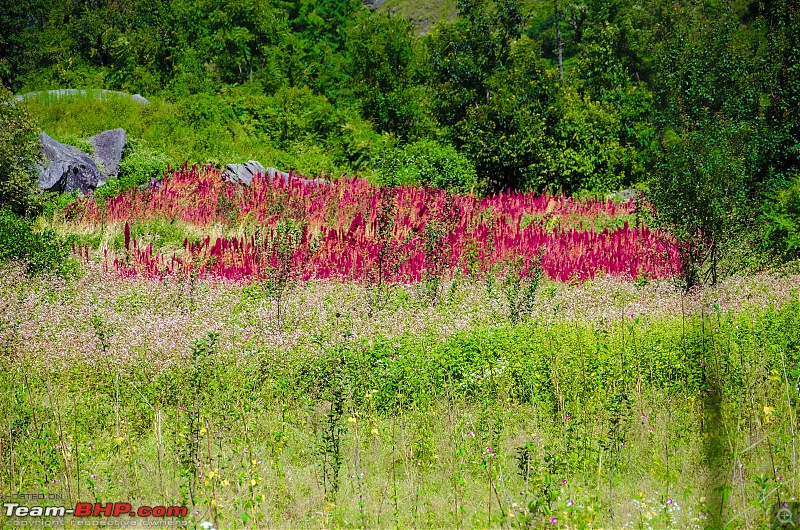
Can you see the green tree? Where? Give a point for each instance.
(590, 152)
(780, 154)
(705, 70)
(19, 24)
(383, 68)
(493, 93)
(322, 20)
(144, 44)
(508, 135)
(241, 37)
(464, 56)
(609, 76)
(701, 193)
(706, 188)
(318, 34)
(781, 20)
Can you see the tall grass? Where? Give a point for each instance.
(225, 128)
(447, 416)
(160, 124)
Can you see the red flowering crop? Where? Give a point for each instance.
(344, 232)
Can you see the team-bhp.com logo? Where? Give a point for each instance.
(87, 509)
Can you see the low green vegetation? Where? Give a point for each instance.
(340, 417)
(139, 166)
(38, 251)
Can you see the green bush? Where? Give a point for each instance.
(19, 150)
(431, 163)
(37, 251)
(141, 164)
(75, 141)
(782, 234)
(138, 166)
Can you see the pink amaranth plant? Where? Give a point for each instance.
(344, 233)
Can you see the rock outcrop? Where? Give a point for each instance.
(67, 168)
(244, 173)
(108, 147)
(624, 195)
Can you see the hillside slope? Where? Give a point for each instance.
(425, 14)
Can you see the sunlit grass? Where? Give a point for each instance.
(348, 414)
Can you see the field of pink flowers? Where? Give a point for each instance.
(351, 230)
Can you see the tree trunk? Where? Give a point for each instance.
(558, 40)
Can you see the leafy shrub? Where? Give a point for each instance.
(38, 251)
(139, 165)
(782, 235)
(431, 163)
(81, 143)
(142, 163)
(309, 160)
(19, 149)
(55, 203)
(204, 110)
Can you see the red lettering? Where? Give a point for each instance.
(83, 509)
(177, 511)
(120, 508)
(143, 511)
(159, 511)
(105, 510)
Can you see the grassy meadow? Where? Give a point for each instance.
(483, 400)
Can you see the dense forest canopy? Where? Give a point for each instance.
(566, 96)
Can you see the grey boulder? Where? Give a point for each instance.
(274, 173)
(244, 173)
(624, 195)
(108, 147)
(67, 168)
